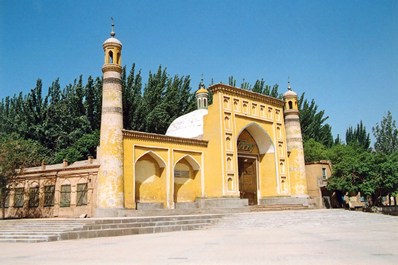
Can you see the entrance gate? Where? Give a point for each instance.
(248, 178)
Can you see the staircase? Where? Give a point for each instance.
(45, 230)
(277, 207)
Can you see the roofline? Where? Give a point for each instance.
(231, 90)
(164, 138)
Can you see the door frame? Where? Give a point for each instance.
(256, 159)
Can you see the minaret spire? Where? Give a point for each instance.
(202, 95)
(113, 28)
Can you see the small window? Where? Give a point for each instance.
(33, 197)
(49, 196)
(18, 197)
(65, 196)
(81, 194)
(324, 175)
(110, 57)
(290, 105)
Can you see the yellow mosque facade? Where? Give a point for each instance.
(243, 149)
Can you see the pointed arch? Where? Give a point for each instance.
(194, 164)
(261, 137)
(155, 156)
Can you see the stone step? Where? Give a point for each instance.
(28, 238)
(51, 230)
(148, 224)
(178, 212)
(277, 207)
(129, 231)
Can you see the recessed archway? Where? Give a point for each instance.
(253, 143)
(149, 186)
(185, 180)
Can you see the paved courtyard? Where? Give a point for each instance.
(289, 237)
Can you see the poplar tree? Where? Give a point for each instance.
(358, 136)
(386, 135)
(313, 122)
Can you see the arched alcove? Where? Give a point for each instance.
(186, 181)
(148, 178)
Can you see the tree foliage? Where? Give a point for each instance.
(386, 135)
(16, 154)
(67, 121)
(358, 136)
(314, 151)
(313, 124)
(259, 87)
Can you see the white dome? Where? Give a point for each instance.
(189, 125)
(112, 40)
(290, 93)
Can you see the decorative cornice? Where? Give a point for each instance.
(294, 139)
(112, 67)
(291, 111)
(163, 138)
(112, 109)
(234, 91)
(112, 80)
(53, 172)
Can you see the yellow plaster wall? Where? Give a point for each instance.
(150, 180)
(233, 113)
(186, 189)
(214, 158)
(153, 161)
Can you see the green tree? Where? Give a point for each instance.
(314, 151)
(386, 135)
(358, 136)
(351, 165)
(16, 154)
(132, 100)
(313, 122)
(85, 146)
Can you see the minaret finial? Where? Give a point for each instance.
(113, 28)
(288, 83)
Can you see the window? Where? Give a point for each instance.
(324, 175)
(33, 197)
(110, 57)
(81, 194)
(290, 105)
(49, 195)
(65, 196)
(18, 197)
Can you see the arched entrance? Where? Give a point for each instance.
(253, 143)
(248, 178)
(247, 167)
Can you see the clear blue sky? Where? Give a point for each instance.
(344, 54)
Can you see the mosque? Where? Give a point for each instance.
(243, 149)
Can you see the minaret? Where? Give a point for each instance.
(110, 194)
(298, 180)
(202, 96)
